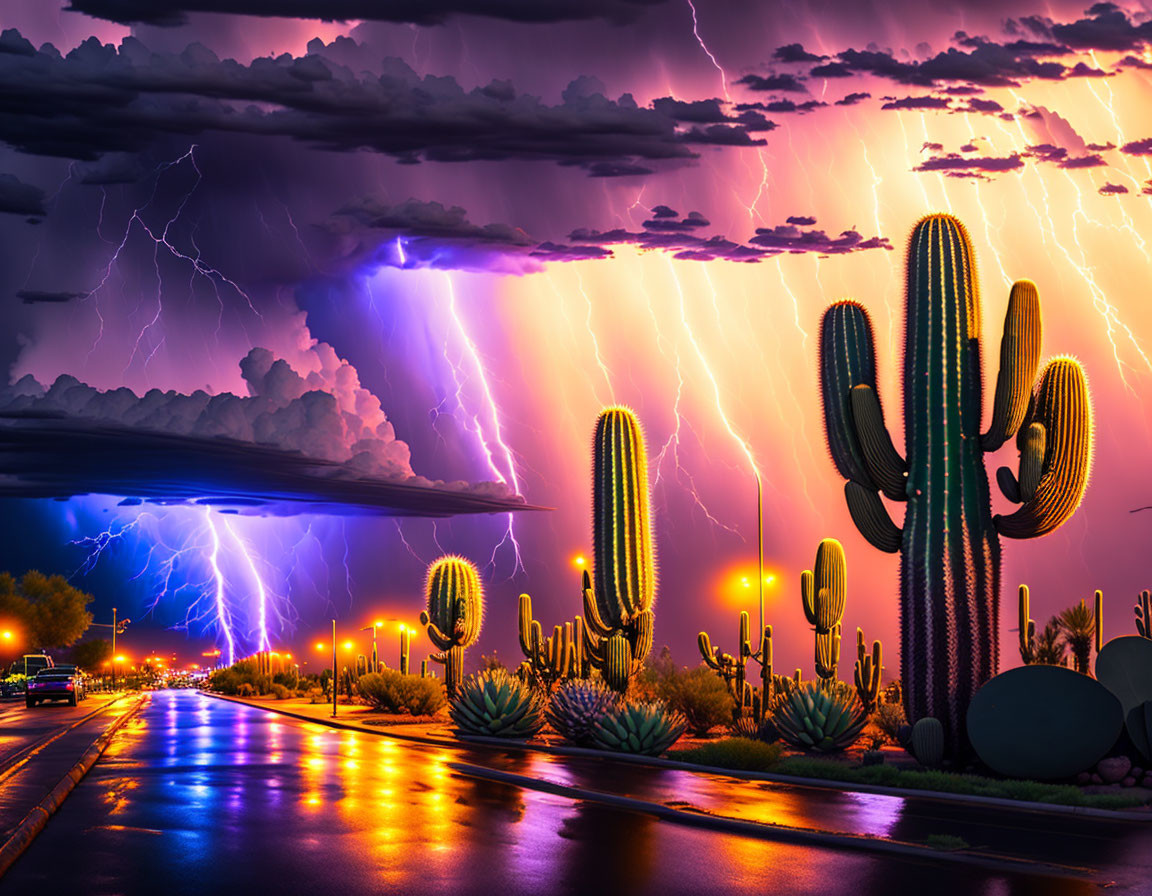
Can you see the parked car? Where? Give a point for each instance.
(50, 684)
(12, 684)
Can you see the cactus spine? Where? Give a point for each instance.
(618, 598)
(455, 609)
(867, 671)
(949, 544)
(823, 593)
(1143, 610)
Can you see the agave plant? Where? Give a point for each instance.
(495, 704)
(749, 728)
(633, 726)
(819, 717)
(576, 706)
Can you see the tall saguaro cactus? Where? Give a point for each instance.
(455, 608)
(949, 543)
(618, 596)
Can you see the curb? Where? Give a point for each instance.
(37, 818)
(19, 757)
(780, 833)
(767, 777)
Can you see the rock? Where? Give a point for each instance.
(1084, 778)
(1114, 769)
(1129, 782)
(1096, 779)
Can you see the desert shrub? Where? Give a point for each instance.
(697, 694)
(391, 691)
(315, 695)
(740, 753)
(245, 690)
(280, 692)
(289, 679)
(888, 718)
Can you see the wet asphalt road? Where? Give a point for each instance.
(200, 796)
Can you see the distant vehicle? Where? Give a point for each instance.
(14, 682)
(31, 663)
(50, 684)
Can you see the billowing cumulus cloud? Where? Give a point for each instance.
(299, 438)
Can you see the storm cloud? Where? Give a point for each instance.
(101, 99)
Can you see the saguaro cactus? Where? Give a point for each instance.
(550, 659)
(734, 669)
(455, 608)
(1143, 610)
(949, 543)
(618, 597)
(405, 649)
(823, 593)
(867, 671)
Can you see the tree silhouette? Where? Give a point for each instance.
(51, 611)
(91, 655)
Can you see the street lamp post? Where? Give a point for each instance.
(117, 629)
(334, 683)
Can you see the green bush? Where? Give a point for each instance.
(697, 694)
(733, 752)
(391, 691)
(889, 718)
(244, 673)
(280, 692)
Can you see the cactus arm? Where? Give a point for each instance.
(847, 359)
(808, 596)
(1064, 410)
(1027, 629)
(594, 622)
(525, 627)
(593, 648)
(1009, 487)
(1032, 445)
(872, 519)
(885, 465)
(707, 651)
(1019, 360)
(437, 637)
(642, 643)
(1098, 619)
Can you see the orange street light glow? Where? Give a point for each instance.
(347, 645)
(7, 636)
(319, 645)
(579, 560)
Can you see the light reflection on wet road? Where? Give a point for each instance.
(200, 796)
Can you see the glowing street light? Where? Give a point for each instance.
(579, 561)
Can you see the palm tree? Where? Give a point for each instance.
(1049, 647)
(1077, 625)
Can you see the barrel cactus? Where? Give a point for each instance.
(927, 743)
(455, 608)
(618, 596)
(575, 707)
(633, 726)
(949, 543)
(495, 704)
(818, 716)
